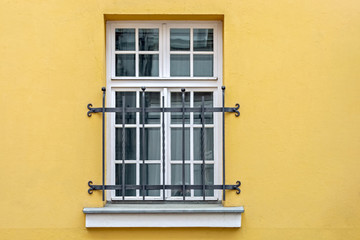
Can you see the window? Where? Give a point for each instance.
(164, 57)
(164, 130)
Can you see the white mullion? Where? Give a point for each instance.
(126, 125)
(217, 142)
(148, 52)
(167, 144)
(191, 52)
(166, 50)
(137, 143)
(111, 152)
(137, 52)
(124, 52)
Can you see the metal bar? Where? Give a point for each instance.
(123, 145)
(223, 139)
(175, 109)
(103, 143)
(183, 141)
(143, 141)
(172, 187)
(203, 146)
(163, 146)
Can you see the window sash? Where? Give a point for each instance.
(167, 93)
(164, 48)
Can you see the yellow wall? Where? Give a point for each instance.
(293, 65)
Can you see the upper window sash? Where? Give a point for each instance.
(165, 56)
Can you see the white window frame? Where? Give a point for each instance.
(165, 84)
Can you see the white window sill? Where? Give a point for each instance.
(163, 215)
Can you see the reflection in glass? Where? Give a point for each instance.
(130, 101)
(203, 65)
(176, 144)
(148, 65)
(209, 144)
(176, 101)
(152, 99)
(208, 102)
(124, 39)
(176, 178)
(203, 39)
(179, 65)
(125, 65)
(152, 176)
(209, 178)
(152, 144)
(179, 39)
(149, 39)
(130, 144)
(130, 178)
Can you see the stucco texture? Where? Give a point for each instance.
(293, 65)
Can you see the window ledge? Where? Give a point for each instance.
(163, 215)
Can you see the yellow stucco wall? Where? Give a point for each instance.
(293, 65)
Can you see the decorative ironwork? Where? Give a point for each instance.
(184, 187)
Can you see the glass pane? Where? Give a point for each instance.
(179, 65)
(209, 178)
(209, 144)
(176, 178)
(179, 39)
(148, 65)
(152, 176)
(125, 39)
(125, 65)
(130, 144)
(130, 178)
(203, 39)
(152, 99)
(203, 65)
(176, 144)
(176, 101)
(208, 102)
(152, 144)
(149, 39)
(130, 101)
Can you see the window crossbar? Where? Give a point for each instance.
(143, 109)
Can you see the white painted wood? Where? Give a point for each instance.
(164, 84)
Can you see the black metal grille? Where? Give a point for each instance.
(143, 109)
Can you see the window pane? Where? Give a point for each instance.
(203, 39)
(130, 178)
(203, 65)
(152, 176)
(130, 101)
(179, 65)
(209, 178)
(179, 39)
(130, 144)
(149, 65)
(152, 99)
(149, 39)
(209, 144)
(208, 102)
(176, 101)
(176, 144)
(125, 65)
(152, 144)
(125, 39)
(176, 178)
